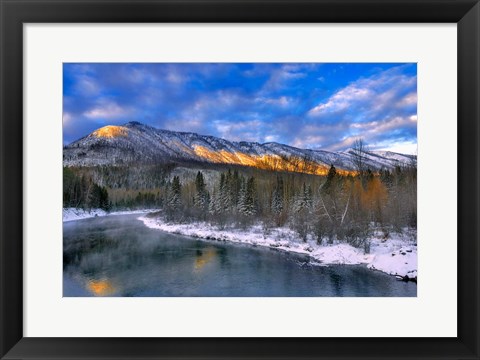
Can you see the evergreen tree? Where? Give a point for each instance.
(201, 195)
(331, 179)
(173, 199)
(277, 197)
(234, 190)
(307, 195)
(303, 200)
(83, 192)
(229, 191)
(98, 197)
(242, 197)
(214, 205)
(224, 194)
(386, 178)
(250, 202)
(105, 204)
(176, 189)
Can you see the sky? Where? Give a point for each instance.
(313, 106)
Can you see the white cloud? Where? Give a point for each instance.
(309, 142)
(136, 75)
(378, 108)
(369, 97)
(87, 86)
(402, 147)
(107, 110)
(342, 100)
(282, 101)
(378, 134)
(344, 143)
(381, 127)
(175, 78)
(249, 130)
(281, 76)
(270, 138)
(67, 118)
(188, 125)
(410, 99)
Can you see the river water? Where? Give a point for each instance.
(119, 256)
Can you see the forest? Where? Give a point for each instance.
(347, 208)
(328, 207)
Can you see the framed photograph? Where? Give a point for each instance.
(238, 179)
(236, 154)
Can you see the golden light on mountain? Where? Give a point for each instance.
(266, 162)
(297, 161)
(111, 131)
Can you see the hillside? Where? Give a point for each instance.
(136, 143)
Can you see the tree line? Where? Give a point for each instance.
(83, 192)
(335, 206)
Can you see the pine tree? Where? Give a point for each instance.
(214, 204)
(308, 196)
(173, 199)
(201, 195)
(229, 191)
(303, 200)
(250, 203)
(104, 202)
(331, 179)
(242, 197)
(97, 197)
(386, 178)
(176, 189)
(234, 190)
(277, 197)
(224, 194)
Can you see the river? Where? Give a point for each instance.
(119, 256)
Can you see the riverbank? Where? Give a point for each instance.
(71, 214)
(395, 256)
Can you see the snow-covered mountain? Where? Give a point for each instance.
(138, 143)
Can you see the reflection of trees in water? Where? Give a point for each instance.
(120, 260)
(110, 262)
(336, 283)
(223, 257)
(104, 254)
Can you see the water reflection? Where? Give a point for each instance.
(119, 256)
(204, 257)
(101, 287)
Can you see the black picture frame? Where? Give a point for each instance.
(14, 13)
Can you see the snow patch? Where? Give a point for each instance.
(71, 214)
(394, 256)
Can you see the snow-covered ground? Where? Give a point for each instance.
(70, 214)
(395, 256)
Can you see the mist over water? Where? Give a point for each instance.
(119, 256)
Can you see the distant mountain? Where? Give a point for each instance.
(136, 143)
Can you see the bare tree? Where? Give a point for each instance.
(359, 152)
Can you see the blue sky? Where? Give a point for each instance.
(317, 106)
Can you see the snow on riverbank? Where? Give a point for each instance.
(395, 256)
(71, 214)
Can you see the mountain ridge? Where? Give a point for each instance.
(135, 142)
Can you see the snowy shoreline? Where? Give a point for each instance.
(395, 256)
(72, 214)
